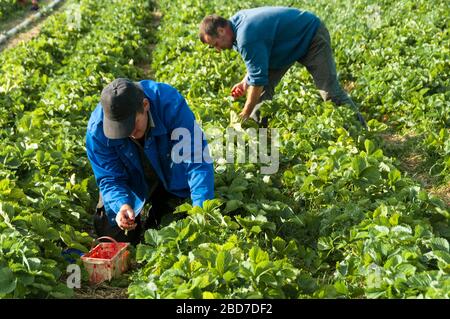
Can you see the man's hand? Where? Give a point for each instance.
(246, 112)
(125, 218)
(253, 96)
(239, 89)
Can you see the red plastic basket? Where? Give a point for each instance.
(107, 260)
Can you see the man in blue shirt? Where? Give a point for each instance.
(270, 40)
(133, 141)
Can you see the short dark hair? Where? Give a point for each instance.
(210, 24)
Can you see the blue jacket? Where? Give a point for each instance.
(272, 38)
(117, 166)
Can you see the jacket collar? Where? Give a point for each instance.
(156, 125)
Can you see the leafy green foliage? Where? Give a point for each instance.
(7, 7)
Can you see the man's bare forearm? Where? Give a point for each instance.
(253, 96)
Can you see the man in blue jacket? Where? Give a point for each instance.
(133, 141)
(270, 40)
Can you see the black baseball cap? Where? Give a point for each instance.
(120, 99)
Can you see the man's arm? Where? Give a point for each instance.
(199, 168)
(256, 58)
(111, 176)
(253, 95)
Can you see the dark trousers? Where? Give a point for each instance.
(162, 202)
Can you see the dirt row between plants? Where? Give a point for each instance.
(415, 163)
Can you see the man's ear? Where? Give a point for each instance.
(146, 103)
(221, 31)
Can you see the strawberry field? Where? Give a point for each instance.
(350, 213)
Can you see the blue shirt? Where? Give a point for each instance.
(272, 38)
(117, 166)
